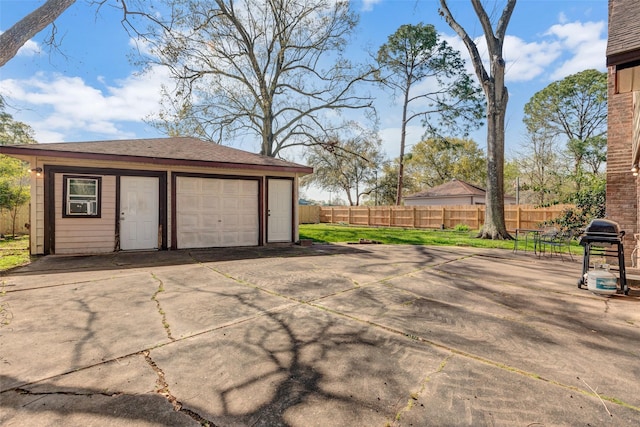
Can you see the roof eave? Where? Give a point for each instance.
(24, 150)
(620, 58)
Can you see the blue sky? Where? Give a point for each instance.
(88, 89)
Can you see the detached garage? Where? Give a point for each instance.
(165, 193)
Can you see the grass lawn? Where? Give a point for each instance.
(333, 233)
(14, 252)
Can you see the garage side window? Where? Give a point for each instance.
(82, 196)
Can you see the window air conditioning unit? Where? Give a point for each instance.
(84, 207)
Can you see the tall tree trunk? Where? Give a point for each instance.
(497, 96)
(494, 224)
(403, 138)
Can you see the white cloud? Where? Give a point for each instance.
(526, 61)
(562, 18)
(30, 48)
(65, 104)
(576, 33)
(367, 5)
(585, 45)
(564, 49)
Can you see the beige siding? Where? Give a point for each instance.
(86, 235)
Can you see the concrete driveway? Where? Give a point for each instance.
(329, 335)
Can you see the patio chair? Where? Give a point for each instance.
(556, 240)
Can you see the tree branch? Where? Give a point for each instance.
(22, 31)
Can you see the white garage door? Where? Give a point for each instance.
(216, 212)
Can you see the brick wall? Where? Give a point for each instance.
(622, 189)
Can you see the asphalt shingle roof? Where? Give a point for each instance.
(176, 150)
(624, 31)
(452, 188)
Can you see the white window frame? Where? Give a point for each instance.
(82, 205)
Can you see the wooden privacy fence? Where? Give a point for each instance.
(516, 216)
(21, 219)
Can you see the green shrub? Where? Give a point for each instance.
(589, 203)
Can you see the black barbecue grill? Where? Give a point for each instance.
(603, 237)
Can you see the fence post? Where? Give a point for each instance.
(390, 212)
(442, 213)
(331, 216)
(368, 215)
(414, 216)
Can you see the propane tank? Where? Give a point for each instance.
(601, 281)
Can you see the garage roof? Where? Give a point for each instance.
(166, 151)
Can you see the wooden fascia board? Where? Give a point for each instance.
(623, 58)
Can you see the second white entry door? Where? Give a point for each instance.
(280, 211)
(138, 212)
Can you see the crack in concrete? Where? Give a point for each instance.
(163, 389)
(413, 397)
(64, 393)
(43, 394)
(165, 323)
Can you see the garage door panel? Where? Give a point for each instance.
(231, 187)
(229, 204)
(186, 185)
(209, 222)
(214, 212)
(186, 220)
(230, 223)
(248, 223)
(189, 239)
(211, 203)
(189, 201)
(210, 186)
(208, 239)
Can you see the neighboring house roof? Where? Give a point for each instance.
(453, 188)
(165, 151)
(623, 44)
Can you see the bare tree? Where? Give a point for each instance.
(348, 164)
(540, 168)
(497, 96)
(20, 33)
(254, 68)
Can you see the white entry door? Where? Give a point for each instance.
(280, 215)
(138, 212)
